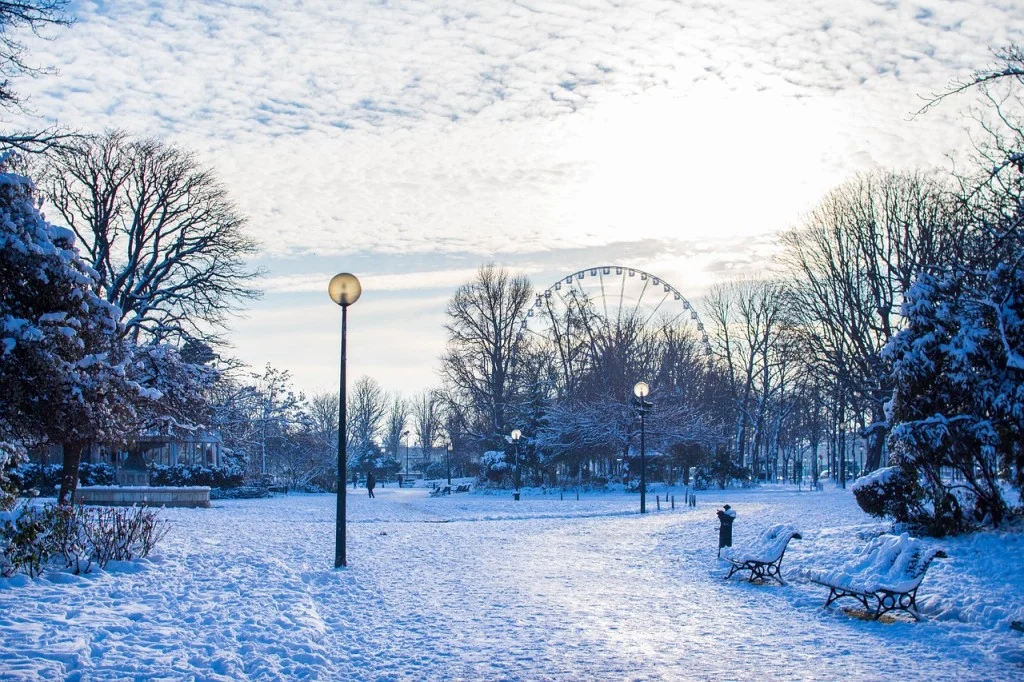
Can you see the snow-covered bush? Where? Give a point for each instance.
(435, 470)
(722, 472)
(188, 475)
(22, 542)
(891, 492)
(11, 454)
(75, 537)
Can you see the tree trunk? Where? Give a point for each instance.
(877, 432)
(69, 474)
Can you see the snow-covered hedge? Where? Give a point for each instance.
(183, 475)
(43, 479)
(76, 538)
(245, 492)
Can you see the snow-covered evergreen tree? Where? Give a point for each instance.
(959, 403)
(62, 365)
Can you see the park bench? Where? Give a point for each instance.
(884, 577)
(764, 557)
(462, 488)
(439, 491)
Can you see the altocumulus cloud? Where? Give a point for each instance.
(440, 126)
(413, 140)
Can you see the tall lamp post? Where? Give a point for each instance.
(344, 290)
(516, 434)
(641, 390)
(448, 462)
(405, 435)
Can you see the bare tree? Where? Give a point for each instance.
(852, 260)
(34, 15)
(15, 17)
(323, 417)
(748, 325)
(426, 414)
(483, 321)
(367, 406)
(395, 425)
(168, 243)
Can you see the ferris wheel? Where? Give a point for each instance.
(600, 310)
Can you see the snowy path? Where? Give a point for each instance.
(479, 587)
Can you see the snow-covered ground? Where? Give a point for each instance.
(477, 586)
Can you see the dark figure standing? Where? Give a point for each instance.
(355, 480)
(399, 480)
(371, 482)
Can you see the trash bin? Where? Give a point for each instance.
(725, 517)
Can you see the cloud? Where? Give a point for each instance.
(410, 141)
(407, 281)
(487, 127)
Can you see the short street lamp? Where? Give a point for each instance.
(344, 290)
(641, 390)
(516, 434)
(448, 462)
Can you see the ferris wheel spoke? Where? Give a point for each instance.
(622, 294)
(640, 298)
(670, 322)
(656, 309)
(604, 298)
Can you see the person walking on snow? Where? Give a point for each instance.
(370, 483)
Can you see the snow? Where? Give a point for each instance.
(890, 562)
(876, 477)
(473, 586)
(768, 546)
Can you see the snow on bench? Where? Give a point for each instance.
(884, 577)
(764, 557)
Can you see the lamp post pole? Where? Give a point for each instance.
(406, 434)
(641, 391)
(448, 462)
(516, 434)
(344, 289)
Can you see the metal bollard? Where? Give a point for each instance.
(726, 517)
(657, 501)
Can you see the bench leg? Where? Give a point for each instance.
(774, 571)
(897, 601)
(835, 593)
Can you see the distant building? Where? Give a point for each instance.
(202, 448)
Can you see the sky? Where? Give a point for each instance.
(411, 142)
